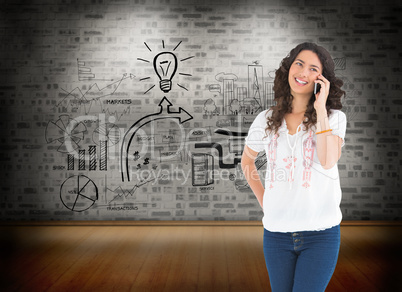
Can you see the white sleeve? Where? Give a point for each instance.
(337, 122)
(256, 132)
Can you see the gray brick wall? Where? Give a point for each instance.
(81, 102)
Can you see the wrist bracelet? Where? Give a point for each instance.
(323, 131)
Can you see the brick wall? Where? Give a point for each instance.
(88, 133)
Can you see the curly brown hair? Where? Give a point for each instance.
(283, 97)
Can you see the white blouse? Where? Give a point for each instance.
(300, 195)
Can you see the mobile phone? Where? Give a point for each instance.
(317, 88)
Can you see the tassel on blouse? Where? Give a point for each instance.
(292, 169)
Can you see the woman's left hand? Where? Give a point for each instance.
(322, 95)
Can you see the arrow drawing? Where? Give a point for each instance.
(164, 113)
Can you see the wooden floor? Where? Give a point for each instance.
(179, 258)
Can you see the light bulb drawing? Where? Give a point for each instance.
(165, 65)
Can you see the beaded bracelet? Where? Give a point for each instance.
(323, 131)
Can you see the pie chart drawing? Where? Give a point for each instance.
(67, 132)
(78, 193)
(107, 132)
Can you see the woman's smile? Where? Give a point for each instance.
(301, 81)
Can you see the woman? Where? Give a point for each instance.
(302, 136)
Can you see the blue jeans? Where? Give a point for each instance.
(301, 261)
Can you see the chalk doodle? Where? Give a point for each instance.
(66, 132)
(106, 132)
(236, 140)
(164, 113)
(85, 72)
(80, 97)
(219, 148)
(255, 81)
(120, 194)
(78, 193)
(249, 100)
(103, 155)
(165, 65)
(81, 159)
(210, 108)
(92, 157)
(70, 162)
(340, 63)
(93, 99)
(202, 166)
(236, 145)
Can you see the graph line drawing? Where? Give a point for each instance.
(65, 131)
(78, 193)
(121, 193)
(94, 89)
(116, 114)
(164, 113)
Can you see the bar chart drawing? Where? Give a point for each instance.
(70, 162)
(81, 159)
(91, 158)
(103, 156)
